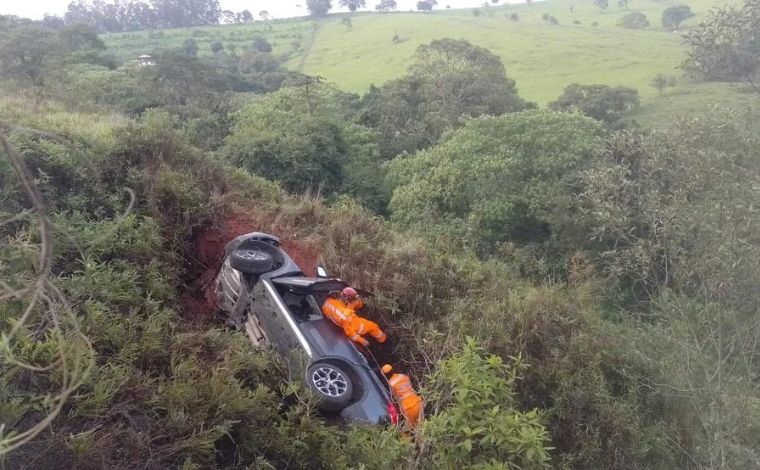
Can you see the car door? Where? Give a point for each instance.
(275, 319)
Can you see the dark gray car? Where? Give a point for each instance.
(261, 289)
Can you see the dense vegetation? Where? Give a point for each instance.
(587, 47)
(567, 290)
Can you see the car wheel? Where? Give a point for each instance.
(331, 384)
(251, 261)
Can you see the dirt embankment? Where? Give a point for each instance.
(197, 301)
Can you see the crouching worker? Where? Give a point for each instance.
(411, 404)
(342, 312)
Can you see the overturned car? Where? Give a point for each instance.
(259, 287)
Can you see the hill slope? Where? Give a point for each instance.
(542, 58)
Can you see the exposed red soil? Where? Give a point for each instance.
(198, 299)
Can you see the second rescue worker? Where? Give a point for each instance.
(342, 312)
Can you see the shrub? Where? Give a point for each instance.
(634, 20)
(660, 82)
(478, 424)
(602, 102)
(304, 137)
(260, 44)
(672, 17)
(494, 180)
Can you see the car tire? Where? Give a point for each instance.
(332, 385)
(251, 261)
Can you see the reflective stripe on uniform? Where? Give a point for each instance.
(401, 385)
(336, 311)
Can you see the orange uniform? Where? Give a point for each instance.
(411, 403)
(344, 315)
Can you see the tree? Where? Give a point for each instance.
(304, 136)
(660, 82)
(346, 21)
(623, 3)
(260, 44)
(426, 5)
(601, 102)
(228, 17)
(173, 14)
(677, 213)
(673, 17)
(217, 47)
(552, 20)
(634, 20)
(353, 5)
(448, 79)
(190, 47)
(318, 7)
(726, 46)
(28, 52)
(386, 5)
(25, 52)
(264, 15)
(135, 14)
(514, 17)
(602, 4)
(245, 16)
(496, 179)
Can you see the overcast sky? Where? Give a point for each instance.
(278, 8)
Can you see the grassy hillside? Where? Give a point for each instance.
(542, 58)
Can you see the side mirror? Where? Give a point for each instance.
(322, 272)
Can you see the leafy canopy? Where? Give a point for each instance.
(319, 7)
(496, 179)
(673, 17)
(304, 136)
(726, 46)
(634, 20)
(449, 78)
(605, 103)
(479, 425)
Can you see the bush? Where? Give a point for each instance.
(634, 20)
(643, 200)
(304, 137)
(602, 102)
(494, 180)
(478, 424)
(260, 44)
(660, 82)
(672, 17)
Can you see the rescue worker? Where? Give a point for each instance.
(342, 312)
(411, 404)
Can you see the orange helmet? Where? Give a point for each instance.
(387, 369)
(349, 293)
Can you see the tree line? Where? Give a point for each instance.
(132, 15)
